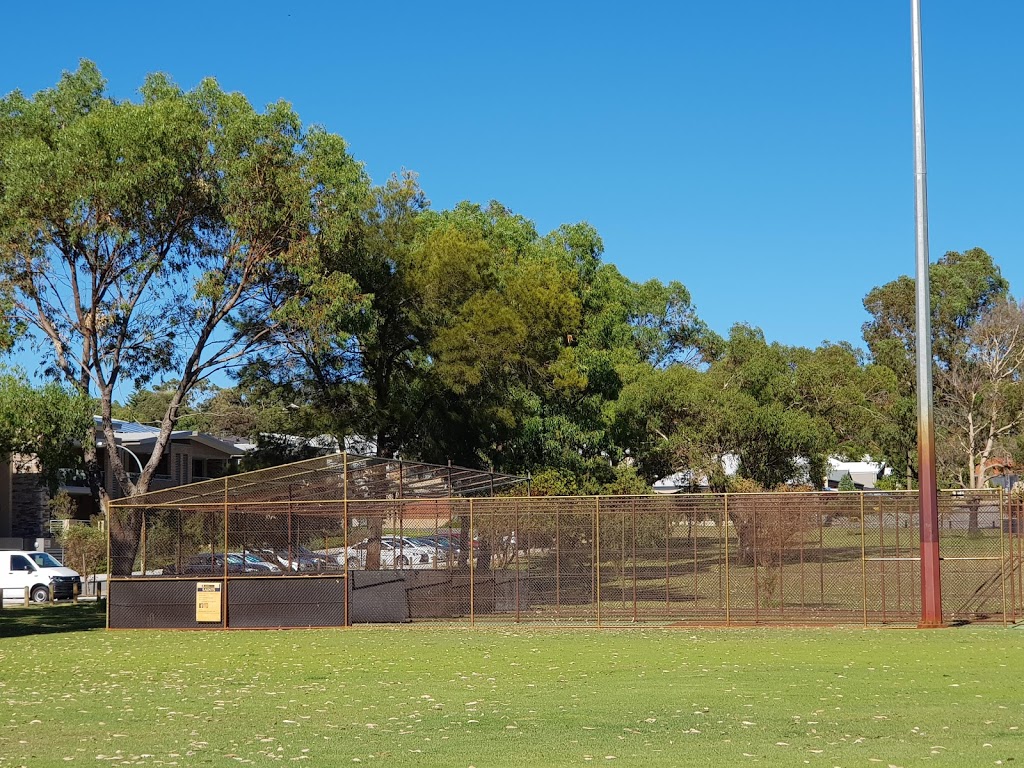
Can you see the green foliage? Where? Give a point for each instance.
(156, 242)
(554, 482)
(85, 548)
(846, 484)
(274, 450)
(62, 506)
(780, 409)
(963, 286)
(477, 340)
(49, 422)
(626, 482)
(144, 240)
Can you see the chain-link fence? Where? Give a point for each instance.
(301, 557)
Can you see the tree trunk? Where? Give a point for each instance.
(124, 524)
(375, 526)
(972, 516)
(742, 515)
(465, 542)
(483, 557)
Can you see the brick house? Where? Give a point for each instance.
(188, 457)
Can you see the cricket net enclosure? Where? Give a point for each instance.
(345, 540)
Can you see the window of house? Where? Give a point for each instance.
(198, 468)
(163, 467)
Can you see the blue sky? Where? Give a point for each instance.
(759, 152)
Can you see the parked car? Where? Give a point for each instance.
(299, 559)
(445, 542)
(443, 552)
(395, 552)
(255, 563)
(39, 572)
(213, 564)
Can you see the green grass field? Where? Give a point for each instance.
(71, 692)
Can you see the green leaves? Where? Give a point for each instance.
(966, 288)
(159, 239)
(49, 422)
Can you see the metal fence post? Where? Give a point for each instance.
(693, 540)
(597, 549)
(668, 574)
(1002, 556)
(472, 564)
(821, 559)
(728, 586)
(224, 589)
(782, 563)
(516, 535)
(344, 514)
(110, 527)
(558, 564)
(634, 559)
(863, 563)
(757, 574)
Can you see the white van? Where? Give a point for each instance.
(39, 572)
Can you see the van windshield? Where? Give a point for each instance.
(43, 560)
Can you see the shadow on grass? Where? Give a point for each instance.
(48, 619)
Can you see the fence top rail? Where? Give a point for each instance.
(339, 476)
(332, 505)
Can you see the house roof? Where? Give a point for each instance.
(332, 478)
(134, 435)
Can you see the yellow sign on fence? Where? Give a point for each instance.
(208, 603)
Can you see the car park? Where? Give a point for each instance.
(39, 573)
(395, 552)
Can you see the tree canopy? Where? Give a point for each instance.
(239, 273)
(143, 241)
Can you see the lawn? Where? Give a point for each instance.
(424, 696)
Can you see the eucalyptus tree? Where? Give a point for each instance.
(980, 413)
(45, 421)
(780, 410)
(964, 285)
(145, 240)
(448, 317)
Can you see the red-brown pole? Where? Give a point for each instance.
(931, 580)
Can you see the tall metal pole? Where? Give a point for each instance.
(931, 587)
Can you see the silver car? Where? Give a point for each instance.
(395, 552)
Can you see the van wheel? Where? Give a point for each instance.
(40, 594)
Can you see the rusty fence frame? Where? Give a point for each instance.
(822, 558)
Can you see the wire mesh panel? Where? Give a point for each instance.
(891, 544)
(973, 545)
(499, 544)
(783, 558)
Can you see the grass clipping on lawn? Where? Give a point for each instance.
(517, 697)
